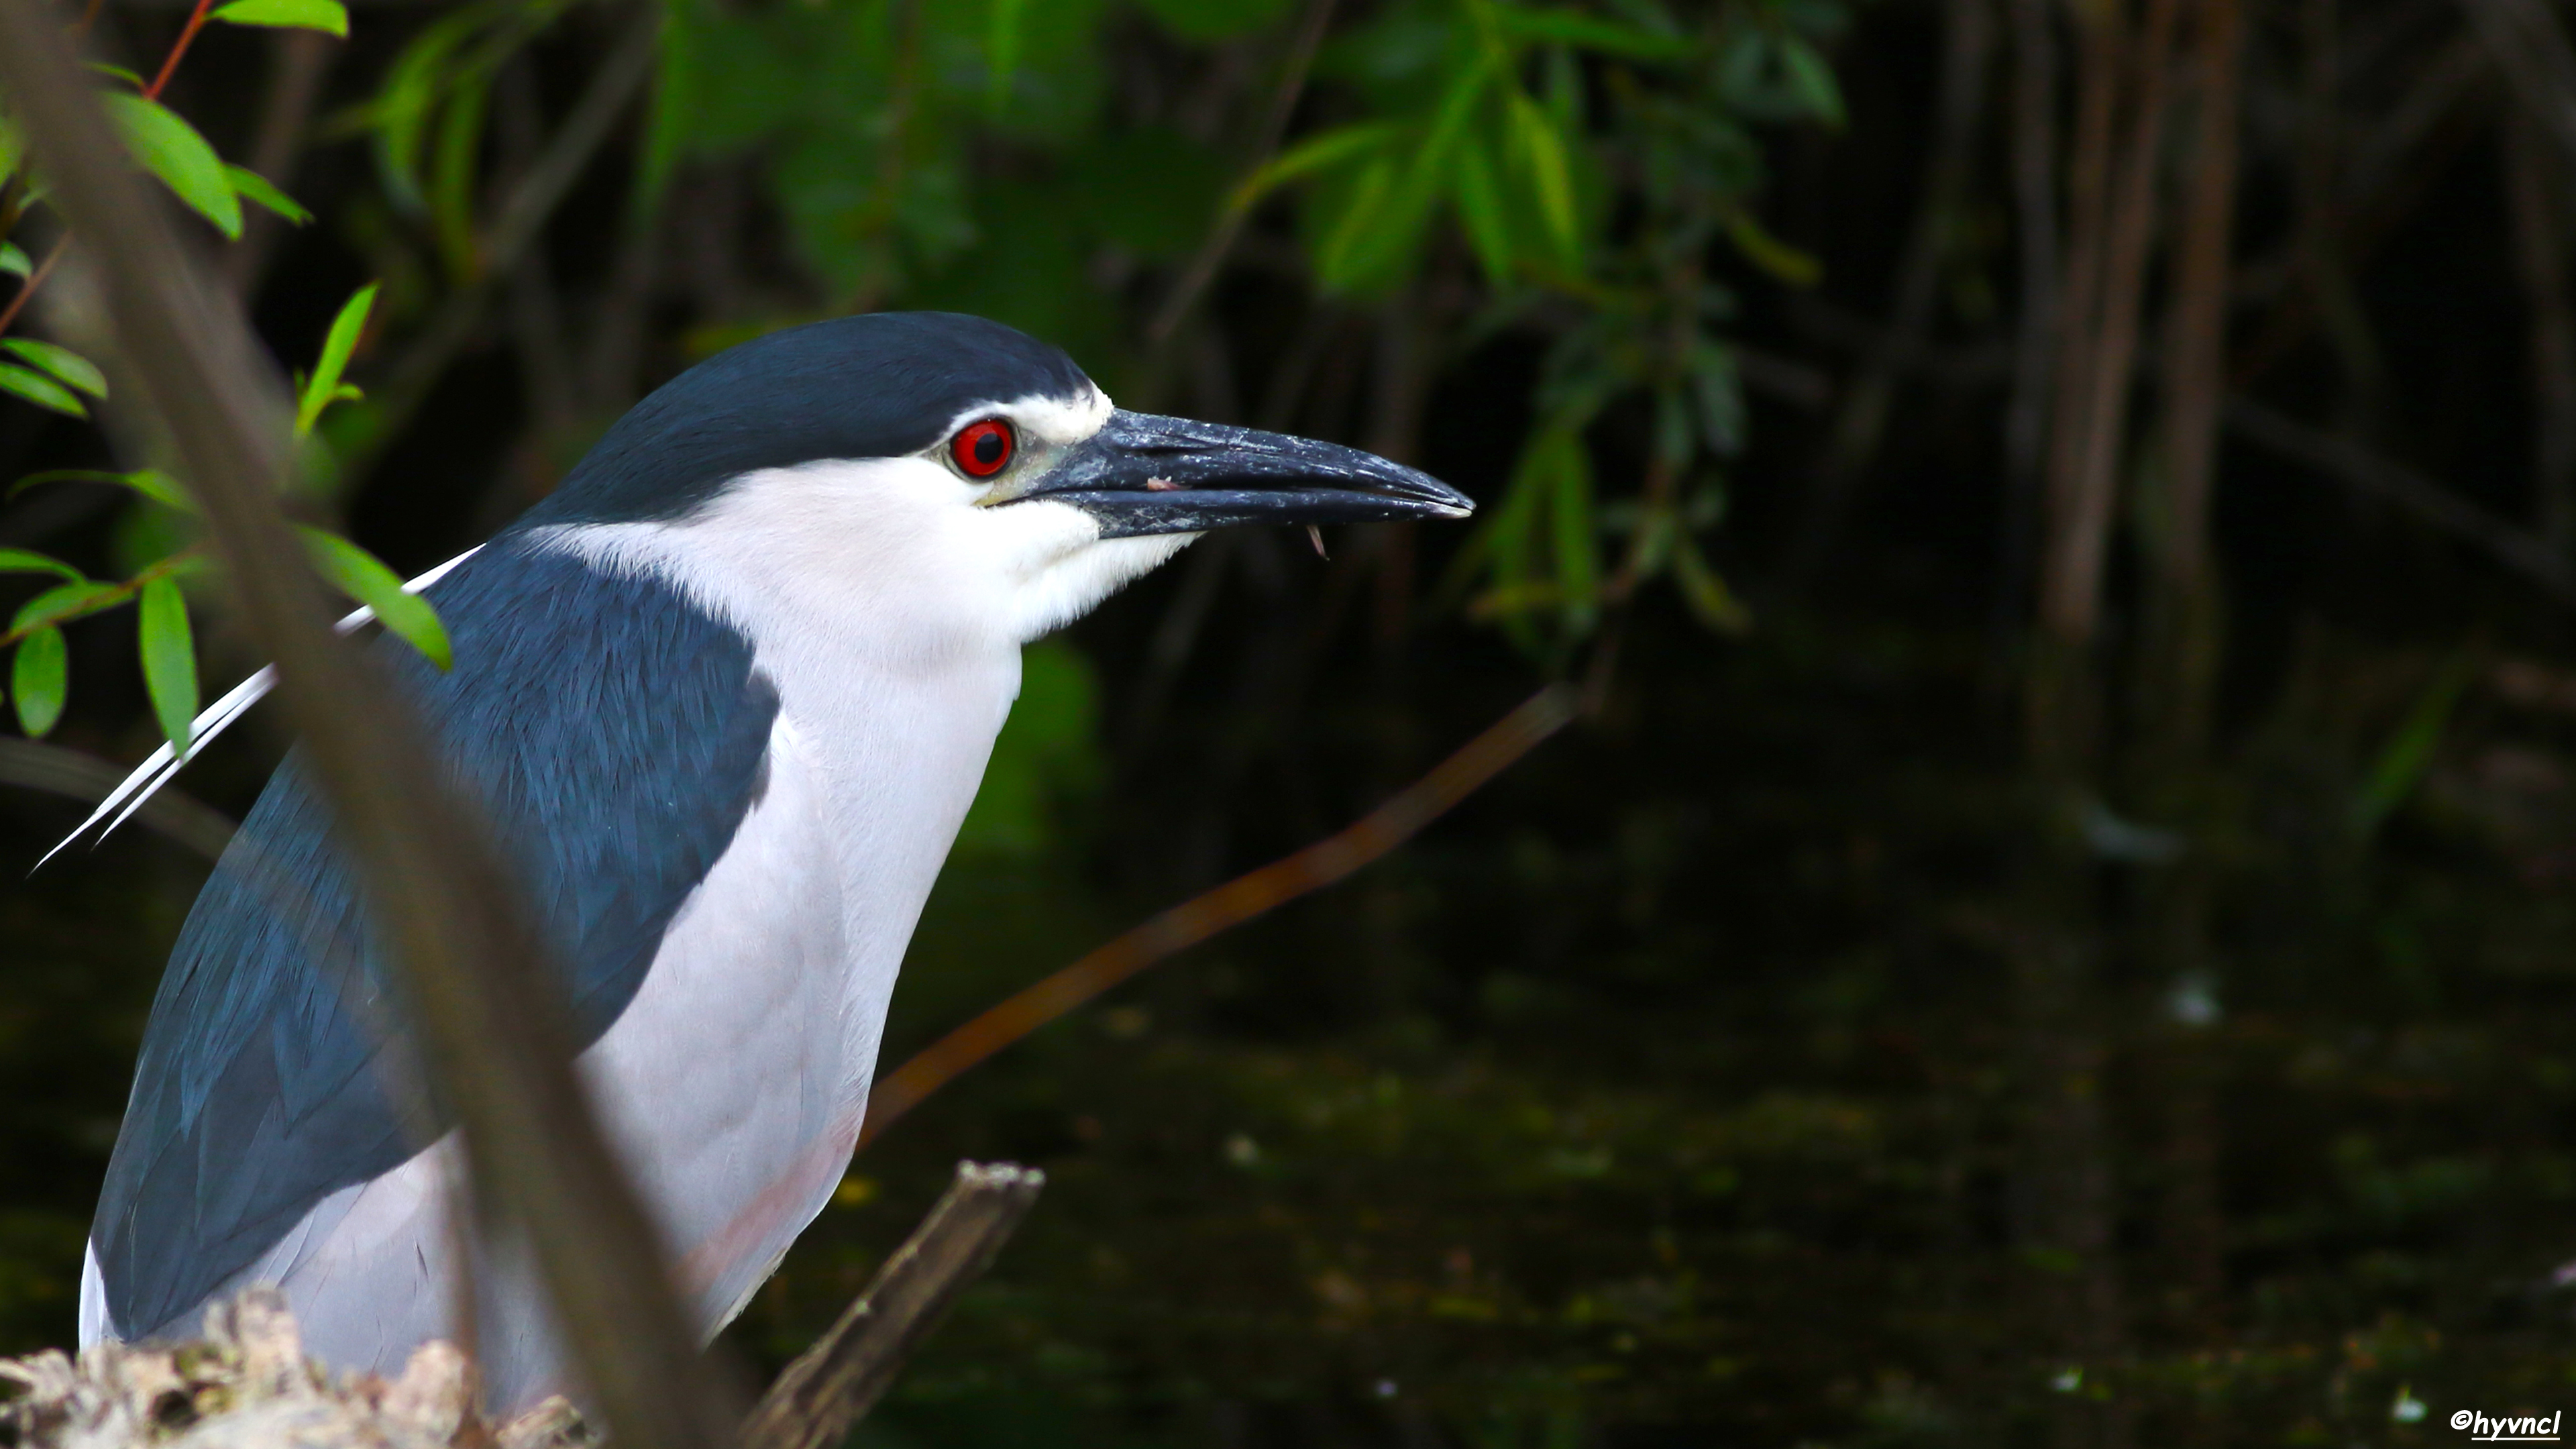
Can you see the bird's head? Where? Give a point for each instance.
(958, 463)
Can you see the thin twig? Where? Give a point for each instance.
(169, 68)
(532, 203)
(1861, 422)
(2081, 510)
(187, 36)
(1229, 905)
(1274, 127)
(35, 279)
(2519, 549)
(489, 1026)
(834, 1384)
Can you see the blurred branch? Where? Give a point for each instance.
(834, 1383)
(489, 1029)
(2035, 226)
(1968, 41)
(532, 203)
(2519, 549)
(2530, 47)
(1238, 900)
(35, 765)
(1274, 128)
(299, 60)
(2084, 487)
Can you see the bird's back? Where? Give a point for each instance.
(617, 734)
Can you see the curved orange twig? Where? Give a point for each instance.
(1231, 904)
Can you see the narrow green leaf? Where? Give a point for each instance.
(1811, 79)
(1706, 592)
(1314, 154)
(323, 387)
(12, 151)
(152, 483)
(1364, 231)
(13, 258)
(1586, 32)
(328, 16)
(39, 389)
(28, 561)
(455, 174)
(1720, 395)
(65, 602)
(2409, 752)
(405, 107)
(39, 678)
(169, 660)
(1480, 207)
(1575, 530)
(1002, 52)
(66, 365)
(171, 149)
(1551, 177)
(355, 572)
(1762, 249)
(252, 186)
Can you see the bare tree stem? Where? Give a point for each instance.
(490, 1032)
(832, 1385)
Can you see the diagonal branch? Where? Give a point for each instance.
(2519, 549)
(523, 217)
(467, 961)
(834, 1383)
(1229, 905)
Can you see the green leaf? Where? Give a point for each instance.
(355, 572)
(12, 150)
(254, 187)
(64, 602)
(1709, 598)
(152, 483)
(1576, 530)
(39, 678)
(1551, 177)
(1480, 207)
(27, 561)
(66, 365)
(323, 387)
(1586, 32)
(455, 175)
(2409, 752)
(1762, 249)
(39, 389)
(328, 16)
(169, 660)
(171, 149)
(13, 258)
(1811, 79)
(1002, 53)
(1314, 154)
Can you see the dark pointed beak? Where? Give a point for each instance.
(1144, 474)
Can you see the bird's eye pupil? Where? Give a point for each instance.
(983, 448)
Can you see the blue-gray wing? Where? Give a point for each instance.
(618, 735)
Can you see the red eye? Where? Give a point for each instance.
(983, 449)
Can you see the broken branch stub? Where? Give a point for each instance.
(825, 1391)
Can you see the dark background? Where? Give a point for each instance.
(1894, 1015)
